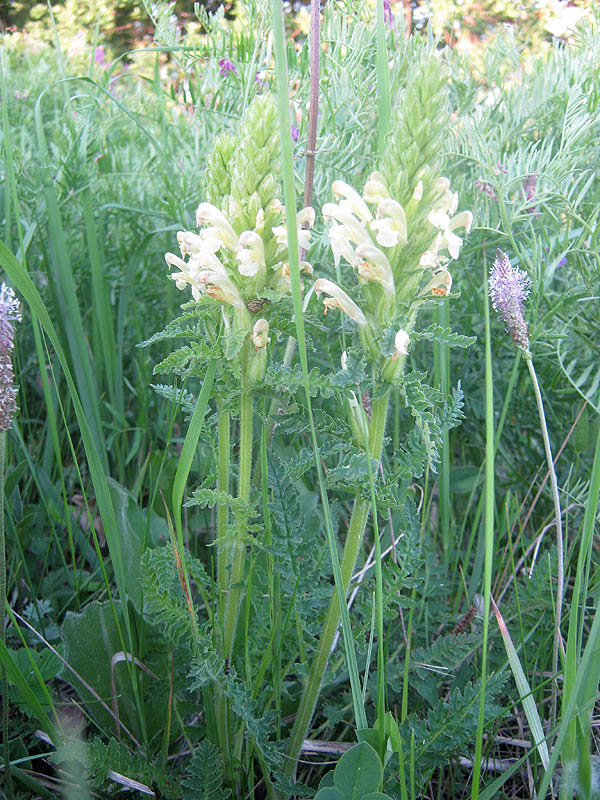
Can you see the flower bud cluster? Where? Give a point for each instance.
(400, 234)
(372, 232)
(239, 257)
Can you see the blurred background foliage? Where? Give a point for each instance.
(125, 24)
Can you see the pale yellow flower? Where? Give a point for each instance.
(218, 286)
(339, 299)
(251, 255)
(340, 245)
(352, 200)
(221, 228)
(374, 266)
(442, 220)
(194, 243)
(401, 342)
(260, 334)
(307, 215)
(390, 224)
(440, 284)
(355, 231)
(375, 189)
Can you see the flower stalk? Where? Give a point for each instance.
(10, 312)
(509, 289)
(354, 538)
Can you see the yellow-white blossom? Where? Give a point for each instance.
(375, 189)
(352, 200)
(401, 342)
(194, 243)
(374, 266)
(354, 230)
(260, 334)
(307, 215)
(390, 225)
(447, 224)
(218, 286)
(251, 255)
(337, 298)
(440, 283)
(340, 245)
(221, 228)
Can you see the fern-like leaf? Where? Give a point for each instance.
(205, 774)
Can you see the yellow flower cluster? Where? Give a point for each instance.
(234, 269)
(372, 240)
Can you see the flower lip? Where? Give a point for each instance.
(401, 342)
(354, 230)
(260, 334)
(352, 200)
(251, 255)
(207, 212)
(339, 299)
(375, 190)
(390, 225)
(374, 266)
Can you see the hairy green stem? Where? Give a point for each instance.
(234, 598)
(223, 561)
(223, 511)
(352, 546)
(7, 775)
(559, 534)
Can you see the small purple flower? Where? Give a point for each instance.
(226, 66)
(295, 132)
(487, 189)
(529, 188)
(99, 57)
(10, 311)
(509, 288)
(387, 12)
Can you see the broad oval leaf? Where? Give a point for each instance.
(358, 772)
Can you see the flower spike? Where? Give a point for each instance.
(509, 288)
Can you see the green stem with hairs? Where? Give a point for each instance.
(234, 598)
(354, 539)
(223, 561)
(224, 446)
(7, 775)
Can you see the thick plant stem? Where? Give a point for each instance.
(235, 595)
(223, 563)
(7, 775)
(223, 511)
(352, 546)
(559, 534)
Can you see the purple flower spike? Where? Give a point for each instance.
(295, 132)
(226, 66)
(387, 12)
(10, 311)
(509, 288)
